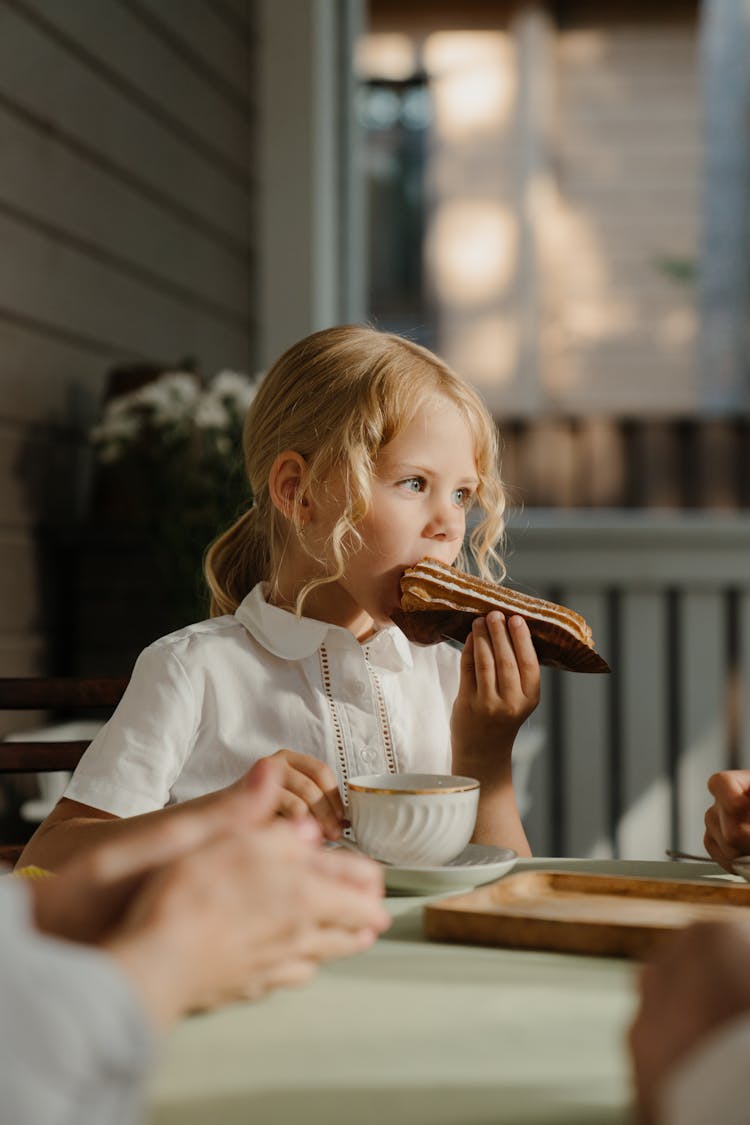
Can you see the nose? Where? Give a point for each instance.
(446, 522)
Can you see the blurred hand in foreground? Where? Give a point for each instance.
(223, 902)
(728, 819)
(697, 982)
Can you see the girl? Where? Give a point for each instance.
(364, 452)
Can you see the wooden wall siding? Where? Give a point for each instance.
(127, 205)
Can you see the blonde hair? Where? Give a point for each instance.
(336, 398)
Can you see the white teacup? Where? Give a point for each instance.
(413, 819)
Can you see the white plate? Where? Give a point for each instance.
(476, 864)
(741, 866)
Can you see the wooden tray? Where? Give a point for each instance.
(616, 916)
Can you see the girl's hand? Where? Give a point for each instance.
(498, 690)
(309, 786)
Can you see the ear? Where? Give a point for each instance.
(286, 484)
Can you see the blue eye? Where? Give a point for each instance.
(413, 484)
(462, 497)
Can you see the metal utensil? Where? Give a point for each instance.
(741, 865)
(688, 855)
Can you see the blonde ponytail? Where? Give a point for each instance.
(235, 562)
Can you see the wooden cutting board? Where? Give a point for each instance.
(611, 915)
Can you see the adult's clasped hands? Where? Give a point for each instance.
(223, 901)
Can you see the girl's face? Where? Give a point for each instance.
(423, 484)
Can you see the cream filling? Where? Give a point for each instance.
(453, 581)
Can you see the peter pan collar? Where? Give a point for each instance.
(290, 637)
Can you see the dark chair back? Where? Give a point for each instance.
(61, 697)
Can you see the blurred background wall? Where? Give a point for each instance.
(127, 231)
(554, 196)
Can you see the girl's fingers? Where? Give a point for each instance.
(468, 671)
(507, 676)
(485, 671)
(314, 783)
(302, 796)
(318, 772)
(291, 806)
(527, 660)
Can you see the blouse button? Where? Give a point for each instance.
(367, 755)
(358, 689)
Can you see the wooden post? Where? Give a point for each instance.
(310, 269)
(535, 37)
(725, 254)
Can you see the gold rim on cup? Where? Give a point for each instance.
(415, 792)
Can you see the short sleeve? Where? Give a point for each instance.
(132, 763)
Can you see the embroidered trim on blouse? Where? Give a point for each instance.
(384, 724)
(385, 730)
(325, 672)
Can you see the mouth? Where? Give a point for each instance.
(394, 597)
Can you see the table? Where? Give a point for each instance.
(420, 1033)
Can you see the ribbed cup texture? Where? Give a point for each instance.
(421, 831)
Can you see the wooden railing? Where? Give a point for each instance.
(621, 462)
(618, 765)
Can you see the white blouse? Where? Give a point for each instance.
(204, 703)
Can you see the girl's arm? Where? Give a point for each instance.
(72, 827)
(498, 690)
(132, 762)
(305, 785)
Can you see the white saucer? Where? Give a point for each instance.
(476, 864)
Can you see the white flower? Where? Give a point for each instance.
(115, 428)
(211, 413)
(234, 386)
(123, 404)
(170, 398)
(175, 408)
(180, 385)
